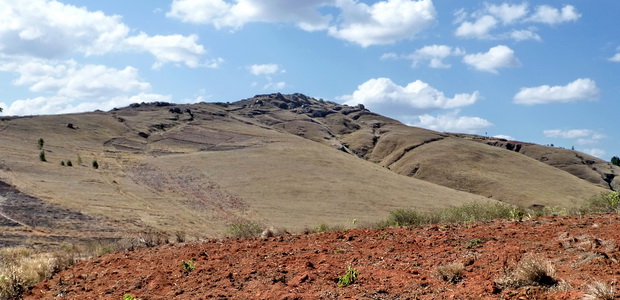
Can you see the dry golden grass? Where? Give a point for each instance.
(227, 165)
(531, 270)
(599, 290)
(452, 272)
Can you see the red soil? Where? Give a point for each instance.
(397, 263)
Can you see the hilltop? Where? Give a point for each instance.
(288, 161)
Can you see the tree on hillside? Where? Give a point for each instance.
(615, 160)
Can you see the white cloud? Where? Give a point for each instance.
(616, 57)
(383, 22)
(52, 30)
(62, 105)
(387, 98)
(452, 122)
(550, 15)
(523, 35)
(506, 137)
(478, 29)
(497, 57)
(169, 48)
(580, 89)
(275, 86)
(389, 55)
(434, 54)
(71, 80)
(481, 23)
(265, 69)
(582, 136)
(237, 13)
(595, 152)
(508, 13)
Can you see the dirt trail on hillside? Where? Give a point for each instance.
(396, 263)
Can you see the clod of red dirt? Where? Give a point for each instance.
(396, 263)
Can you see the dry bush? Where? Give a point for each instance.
(452, 272)
(599, 291)
(530, 271)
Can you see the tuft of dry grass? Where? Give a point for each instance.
(599, 290)
(532, 270)
(451, 273)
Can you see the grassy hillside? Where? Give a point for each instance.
(282, 160)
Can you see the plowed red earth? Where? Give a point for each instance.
(396, 263)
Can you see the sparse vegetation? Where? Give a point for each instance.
(95, 164)
(349, 277)
(530, 271)
(42, 156)
(69, 163)
(451, 273)
(324, 227)
(79, 159)
(604, 203)
(40, 143)
(599, 290)
(244, 229)
(129, 297)
(188, 265)
(466, 213)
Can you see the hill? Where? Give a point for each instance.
(288, 161)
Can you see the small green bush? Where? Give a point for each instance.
(40, 143)
(244, 229)
(42, 156)
(349, 277)
(95, 164)
(188, 265)
(129, 297)
(69, 163)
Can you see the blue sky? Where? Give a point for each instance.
(537, 71)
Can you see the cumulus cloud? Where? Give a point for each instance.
(169, 48)
(580, 89)
(388, 98)
(53, 30)
(616, 57)
(265, 69)
(72, 80)
(61, 105)
(484, 23)
(434, 54)
(581, 136)
(452, 122)
(477, 29)
(235, 14)
(551, 15)
(383, 22)
(497, 57)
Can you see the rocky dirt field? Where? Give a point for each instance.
(542, 258)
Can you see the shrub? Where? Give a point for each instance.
(69, 163)
(530, 271)
(188, 265)
(323, 227)
(40, 143)
(79, 159)
(42, 156)
(451, 273)
(604, 203)
(62, 163)
(349, 277)
(404, 217)
(129, 297)
(95, 164)
(599, 291)
(244, 229)
(615, 161)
